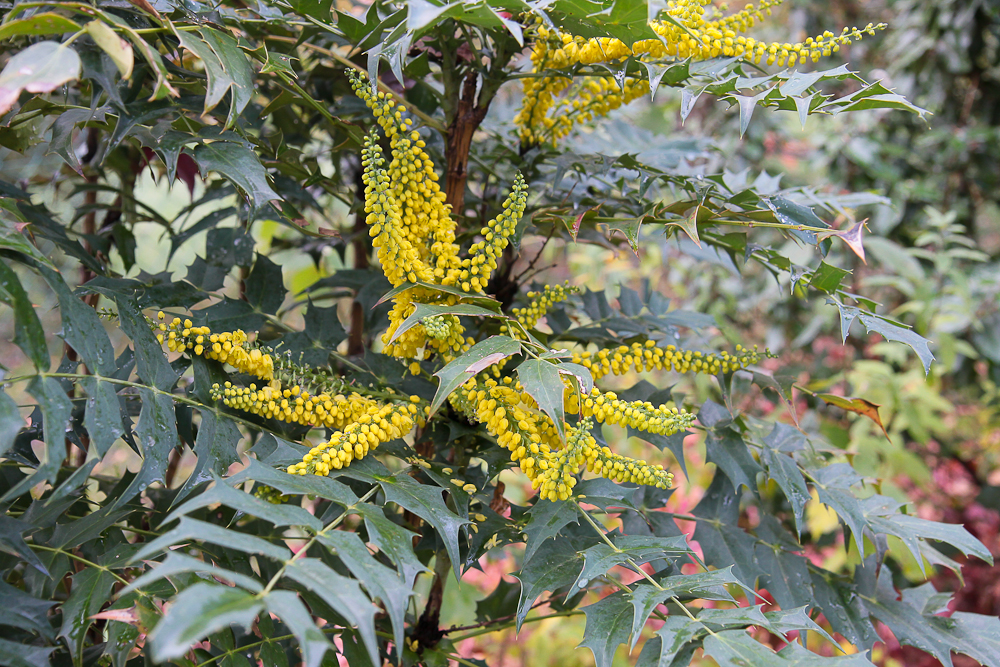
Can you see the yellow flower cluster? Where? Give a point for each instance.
(227, 347)
(540, 304)
(379, 424)
(476, 270)
(694, 29)
(414, 234)
(294, 405)
(647, 356)
(512, 416)
(640, 415)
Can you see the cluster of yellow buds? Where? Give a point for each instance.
(379, 424)
(270, 494)
(540, 304)
(294, 404)
(437, 327)
(640, 415)
(694, 29)
(229, 347)
(647, 356)
(476, 270)
(512, 416)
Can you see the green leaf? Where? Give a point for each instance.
(725, 448)
(912, 529)
(89, 590)
(672, 647)
(323, 487)
(396, 542)
(342, 594)
(735, 648)
(543, 382)
(192, 529)
(546, 519)
(241, 167)
(40, 68)
(28, 332)
(382, 582)
(843, 608)
(278, 514)
(178, 563)
(427, 503)
(609, 623)
(788, 476)
(151, 364)
(553, 567)
(11, 238)
(23, 655)
(600, 558)
(216, 449)
(481, 356)
(236, 69)
(833, 484)
(312, 642)
(117, 48)
(265, 289)
(56, 411)
(723, 542)
(102, 417)
(21, 610)
(424, 310)
(46, 23)
(197, 612)
(827, 278)
(936, 635)
(785, 575)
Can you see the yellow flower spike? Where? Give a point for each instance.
(553, 104)
(644, 357)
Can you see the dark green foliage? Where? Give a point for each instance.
(250, 109)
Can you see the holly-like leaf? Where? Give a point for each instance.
(725, 448)
(89, 590)
(192, 529)
(600, 558)
(543, 382)
(843, 608)
(21, 610)
(735, 648)
(427, 503)
(24, 655)
(482, 355)
(264, 287)
(550, 568)
(177, 563)
(287, 606)
(28, 332)
(546, 519)
(382, 582)
(197, 612)
(723, 542)
(40, 68)
(241, 167)
(609, 623)
(342, 594)
(785, 575)
(215, 447)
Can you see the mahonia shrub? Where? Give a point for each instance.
(214, 469)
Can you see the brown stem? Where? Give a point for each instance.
(427, 631)
(469, 114)
(355, 340)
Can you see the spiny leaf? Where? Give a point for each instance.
(192, 529)
(724, 543)
(457, 372)
(543, 382)
(312, 642)
(609, 623)
(381, 581)
(600, 558)
(21, 610)
(553, 567)
(178, 563)
(199, 611)
(547, 518)
(28, 332)
(427, 503)
(342, 594)
(89, 590)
